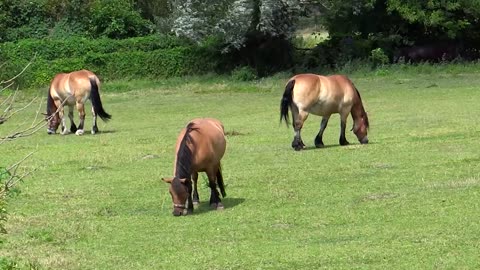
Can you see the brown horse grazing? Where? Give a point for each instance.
(200, 147)
(323, 96)
(74, 89)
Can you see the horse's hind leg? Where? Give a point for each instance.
(94, 127)
(319, 138)
(196, 199)
(81, 113)
(299, 118)
(73, 127)
(215, 202)
(343, 126)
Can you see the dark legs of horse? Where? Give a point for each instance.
(319, 138)
(299, 118)
(215, 202)
(73, 127)
(189, 199)
(95, 128)
(196, 199)
(343, 126)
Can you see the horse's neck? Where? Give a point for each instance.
(357, 110)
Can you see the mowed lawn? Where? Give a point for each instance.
(408, 200)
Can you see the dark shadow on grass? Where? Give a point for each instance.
(106, 131)
(313, 147)
(204, 206)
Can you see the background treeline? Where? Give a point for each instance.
(131, 38)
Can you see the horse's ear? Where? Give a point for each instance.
(167, 179)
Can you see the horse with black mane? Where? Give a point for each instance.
(73, 89)
(323, 96)
(200, 147)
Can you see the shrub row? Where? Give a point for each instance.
(153, 56)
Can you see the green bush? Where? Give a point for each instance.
(244, 73)
(151, 56)
(378, 57)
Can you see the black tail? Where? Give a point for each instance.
(220, 182)
(286, 101)
(97, 102)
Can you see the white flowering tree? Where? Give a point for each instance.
(234, 21)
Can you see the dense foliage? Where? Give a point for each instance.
(141, 57)
(254, 33)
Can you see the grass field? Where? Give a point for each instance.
(408, 200)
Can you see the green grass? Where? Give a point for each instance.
(407, 200)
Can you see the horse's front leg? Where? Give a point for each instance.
(196, 199)
(299, 118)
(319, 138)
(343, 126)
(189, 198)
(81, 113)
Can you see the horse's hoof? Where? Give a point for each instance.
(345, 142)
(93, 132)
(298, 147)
(196, 203)
(79, 132)
(220, 206)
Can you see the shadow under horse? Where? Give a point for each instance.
(323, 96)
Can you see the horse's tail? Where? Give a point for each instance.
(220, 183)
(97, 102)
(286, 101)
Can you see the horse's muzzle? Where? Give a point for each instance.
(179, 210)
(364, 140)
(50, 131)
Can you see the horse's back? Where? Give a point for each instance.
(209, 142)
(74, 84)
(323, 95)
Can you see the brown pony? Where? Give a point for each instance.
(73, 89)
(200, 147)
(323, 96)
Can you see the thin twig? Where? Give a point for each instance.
(37, 114)
(21, 72)
(31, 130)
(14, 178)
(8, 86)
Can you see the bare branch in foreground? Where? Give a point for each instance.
(20, 73)
(33, 128)
(13, 177)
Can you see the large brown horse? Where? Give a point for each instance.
(323, 96)
(74, 89)
(200, 147)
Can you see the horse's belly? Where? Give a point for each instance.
(323, 109)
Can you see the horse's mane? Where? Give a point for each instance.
(185, 155)
(364, 113)
(51, 107)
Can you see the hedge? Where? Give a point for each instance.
(142, 57)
